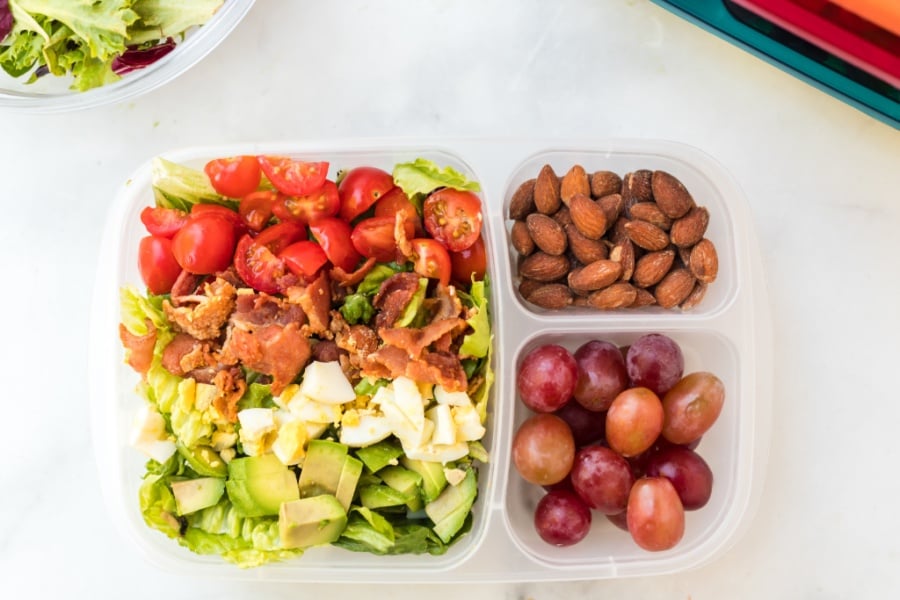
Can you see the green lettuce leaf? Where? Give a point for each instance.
(135, 308)
(367, 531)
(422, 176)
(374, 278)
(159, 19)
(408, 317)
(179, 186)
(478, 342)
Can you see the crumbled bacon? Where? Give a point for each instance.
(186, 356)
(202, 315)
(415, 341)
(315, 300)
(346, 279)
(230, 387)
(140, 347)
(263, 309)
(185, 285)
(279, 351)
(326, 351)
(393, 296)
(390, 362)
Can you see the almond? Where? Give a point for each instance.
(684, 256)
(623, 253)
(674, 288)
(551, 295)
(695, 297)
(617, 233)
(604, 183)
(636, 187)
(544, 267)
(652, 267)
(595, 275)
(643, 298)
(646, 235)
(704, 261)
(588, 216)
(527, 286)
(580, 301)
(522, 202)
(618, 295)
(546, 191)
(650, 212)
(562, 216)
(612, 205)
(574, 182)
(548, 235)
(585, 249)
(520, 238)
(689, 229)
(671, 195)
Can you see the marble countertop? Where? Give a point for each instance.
(822, 180)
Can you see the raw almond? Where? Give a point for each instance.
(574, 182)
(544, 267)
(643, 298)
(671, 195)
(636, 187)
(588, 216)
(689, 229)
(604, 183)
(652, 267)
(551, 295)
(527, 286)
(674, 288)
(548, 235)
(623, 253)
(521, 238)
(585, 249)
(522, 202)
(618, 295)
(646, 235)
(546, 191)
(595, 276)
(704, 262)
(650, 212)
(695, 297)
(612, 205)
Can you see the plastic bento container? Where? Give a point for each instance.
(728, 334)
(51, 94)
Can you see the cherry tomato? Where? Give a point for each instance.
(234, 177)
(396, 201)
(204, 245)
(374, 238)
(256, 259)
(361, 188)
(256, 209)
(164, 222)
(453, 218)
(304, 258)
(469, 263)
(333, 234)
(431, 259)
(293, 177)
(223, 212)
(157, 264)
(281, 235)
(324, 202)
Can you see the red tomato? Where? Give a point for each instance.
(431, 259)
(205, 209)
(234, 177)
(256, 259)
(164, 222)
(453, 218)
(469, 262)
(204, 245)
(324, 202)
(396, 201)
(361, 188)
(374, 238)
(304, 258)
(256, 209)
(333, 235)
(281, 235)
(293, 177)
(157, 264)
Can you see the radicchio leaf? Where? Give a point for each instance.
(138, 58)
(6, 19)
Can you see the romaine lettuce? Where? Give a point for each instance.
(422, 176)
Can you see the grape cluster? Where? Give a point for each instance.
(614, 431)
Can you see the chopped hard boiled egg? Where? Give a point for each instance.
(444, 426)
(468, 423)
(149, 434)
(452, 398)
(325, 382)
(256, 426)
(442, 453)
(290, 444)
(363, 428)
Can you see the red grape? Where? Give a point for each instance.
(543, 449)
(562, 518)
(601, 374)
(634, 421)
(602, 479)
(546, 378)
(687, 471)
(654, 361)
(587, 426)
(692, 406)
(655, 515)
(620, 520)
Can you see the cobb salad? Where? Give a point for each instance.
(314, 356)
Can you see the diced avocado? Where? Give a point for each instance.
(433, 479)
(377, 456)
(381, 496)
(408, 483)
(312, 521)
(203, 460)
(346, 486)
(449, 510)
(193, 494)
(258, 485)
(322, 468)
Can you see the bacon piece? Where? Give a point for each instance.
(202, 315)
(140, 347)
(415, 341)
(390, 362)
(185, 285)
(326, 351)
(262, 309)
(186, 356)
(315, 300)
(351, 279)
(393, 296)
(231, 386)
(279, 351)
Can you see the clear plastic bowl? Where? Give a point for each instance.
(728, 334)
(52, 94)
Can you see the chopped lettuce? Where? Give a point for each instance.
(408, 317)
(478, 342)
(136, 308)
(160, 19)
(421, 177)
(181, 187)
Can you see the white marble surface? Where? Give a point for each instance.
(822, 179)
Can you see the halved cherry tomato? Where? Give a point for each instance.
(453, 218)
(205, 209)
(256, 259)
(204, 245)
(157, 264)
(256, 209)
(164, 222)
(469, 262)
(396, 201)
(281, 235)
(333, 234)
(324, 202)
(293, 177)
(361, 188)
(304, 259)
(234, 177)
(374, 237)
(431, 259)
